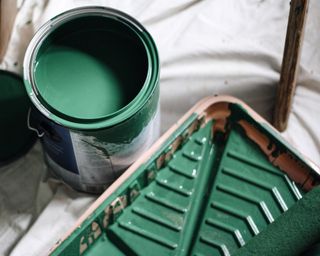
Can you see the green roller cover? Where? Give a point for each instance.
(292, 233)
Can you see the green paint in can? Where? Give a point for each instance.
(93, 74)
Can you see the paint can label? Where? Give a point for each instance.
(88, 163)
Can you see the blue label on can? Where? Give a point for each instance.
(57, 143)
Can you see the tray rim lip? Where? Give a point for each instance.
(199, 108)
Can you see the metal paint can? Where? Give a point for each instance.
(92, 74)
(15, 137)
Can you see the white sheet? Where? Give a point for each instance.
(206, 47)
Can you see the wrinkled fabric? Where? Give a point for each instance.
(206, 47)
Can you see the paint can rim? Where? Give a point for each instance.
(119, 116)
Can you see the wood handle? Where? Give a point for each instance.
(290, 63)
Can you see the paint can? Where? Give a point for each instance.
(15, 137)
(92, 74)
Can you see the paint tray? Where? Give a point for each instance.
(214, 181)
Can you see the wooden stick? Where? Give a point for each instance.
(290, 62)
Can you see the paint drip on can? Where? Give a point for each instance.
(92, 74)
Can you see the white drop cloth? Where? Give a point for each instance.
(206, 47)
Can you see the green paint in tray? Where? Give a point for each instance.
(209, 188)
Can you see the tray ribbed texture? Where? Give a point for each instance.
(211, 198)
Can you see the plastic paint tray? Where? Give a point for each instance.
(214, 181)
